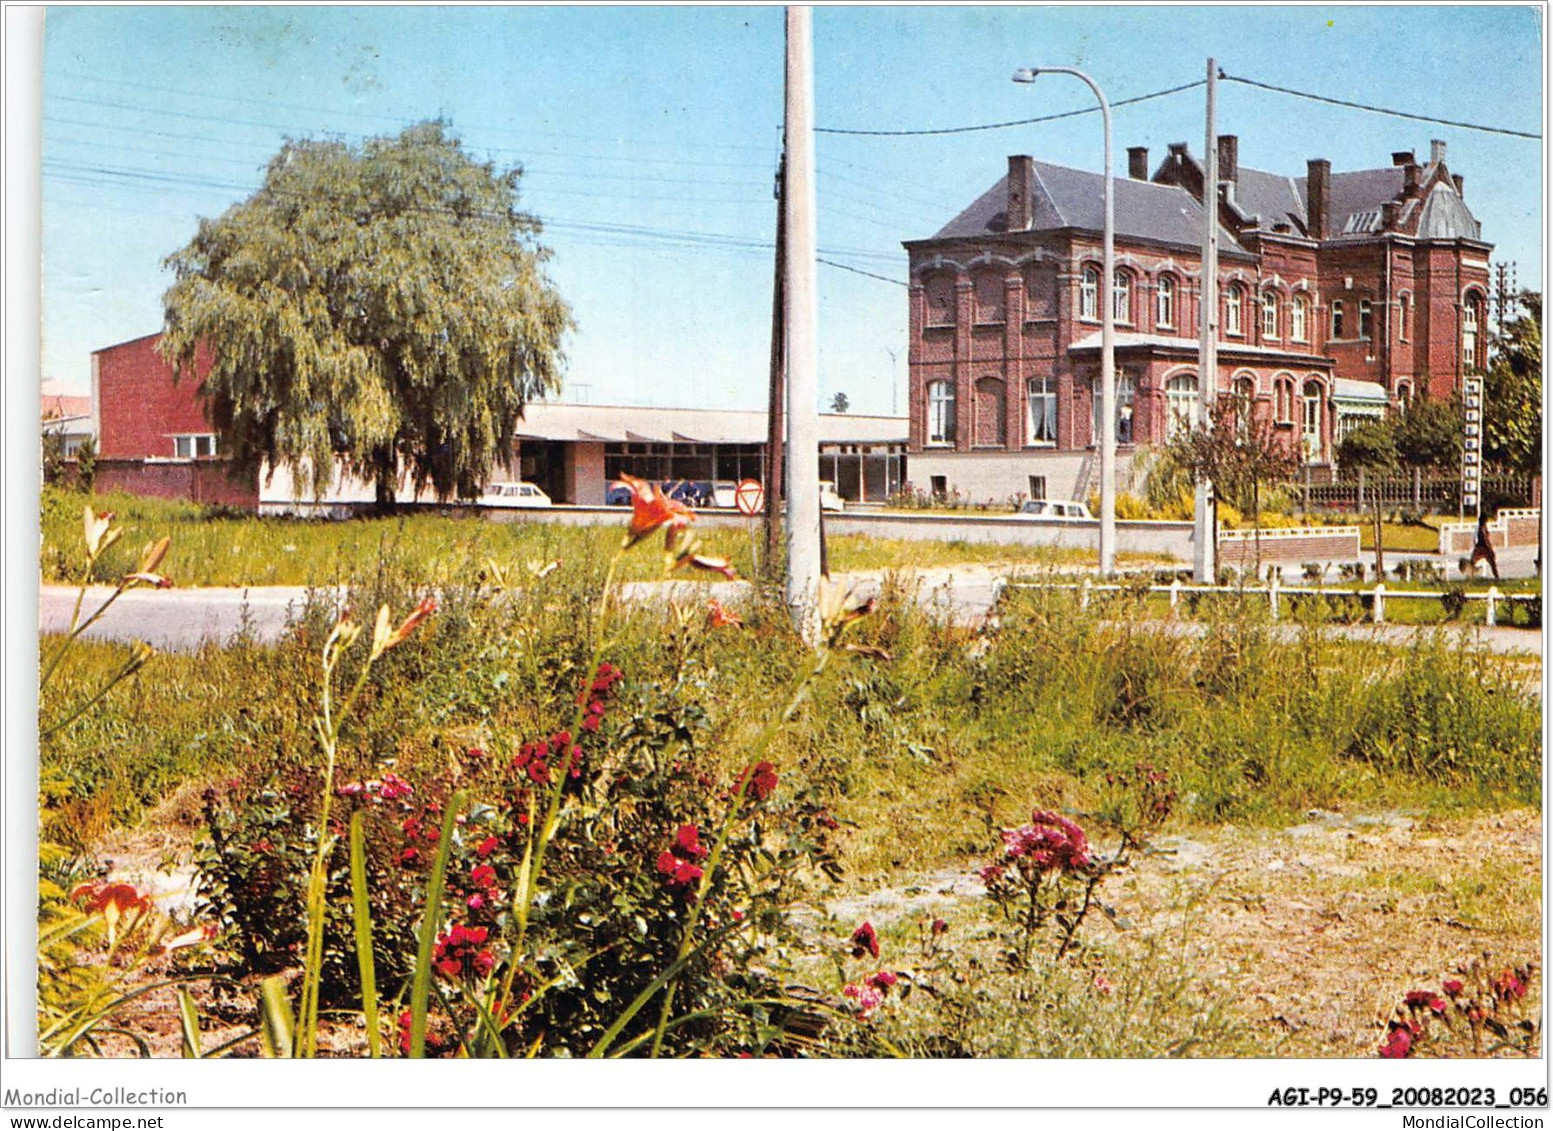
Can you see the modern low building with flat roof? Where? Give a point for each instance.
(156, 440)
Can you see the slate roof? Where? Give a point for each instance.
(1272, 198)
(1074, 198)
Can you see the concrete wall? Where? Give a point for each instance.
(997, 475)
(585, 474)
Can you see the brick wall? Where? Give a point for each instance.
(202, 481)
(139, 406)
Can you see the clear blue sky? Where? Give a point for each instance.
(649, 138)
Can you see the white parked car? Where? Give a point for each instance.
(514, 495)
(829, 499)
(1054, 509)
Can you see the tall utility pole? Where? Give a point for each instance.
(1204, 534)
(776, 405)
(801, 317)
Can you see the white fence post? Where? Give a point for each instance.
(1380, 603)
(1175, 595)
(1493, 606)
(1272, 591)
(1083, 597)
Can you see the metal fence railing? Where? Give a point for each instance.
(1416, 491)
(1275, 593)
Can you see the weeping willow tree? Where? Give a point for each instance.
(384, 305)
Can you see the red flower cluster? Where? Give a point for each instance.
(482, 879)
(1509, 986)
(865, 940)
(760, 780)
(677, 864)
(1400, 1043)
(598, 694)
(1425, 999)
(461, 952)
(534, 759)
(110, 899)
(1453, 987)
(423, 826)
(1049, 843)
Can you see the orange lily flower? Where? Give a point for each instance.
(650, 509)
(719, 616)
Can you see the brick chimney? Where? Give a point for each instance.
(1318, 192)
(1410, 179)
(1436, 152)
(1021, 184)
(1460, 182)
(1138, 162)
(1403, 157)
(1388, 214)
(1229, 158)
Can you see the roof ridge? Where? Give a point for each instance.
(1035, 172)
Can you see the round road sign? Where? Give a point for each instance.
(750, 496)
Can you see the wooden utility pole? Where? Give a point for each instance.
(778, 378)
(800, 319)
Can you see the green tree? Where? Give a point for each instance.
(385, 303)
(1240, 455)
(1372, 448)
(86, 464)
(1427, 434)
(1512, 391)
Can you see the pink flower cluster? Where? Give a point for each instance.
(461, 952)
(678, 863)
(391, 787)
(1049, 842)
(535, 759)
(1400, 1042)
(869, 993)
(598, 694)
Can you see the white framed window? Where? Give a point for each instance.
(194, 445)
(1165, 301)
(1297, 313)
(1180, 405)
(1310, 421)
(1269, 315)
(1089, 295)
(1283, 402)
(1469, 333)
(1233, 308)
(940, 413)
(1124, 397)
(1366, 318)
(1121, 297)
(1337, 319)
(1041, 396)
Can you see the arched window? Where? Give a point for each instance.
(1310, 421)
(1041, 394)
(1470, 320)
(1089, 294)
(1121, 297)
(1124, 394)
(1297, 313)
(1337, 319)
(940, 299)
(1245, 403)
(1404, 315)
(1234, 304)
(940, 413)
(1404, 394)
(1283, 401)
(1269, 315)
(991, 427)
(1180, 405)
(1165, 301)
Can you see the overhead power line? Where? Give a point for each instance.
(858, 271)
(1008, 125)
(1379, 109)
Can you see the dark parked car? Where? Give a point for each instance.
(693, 493)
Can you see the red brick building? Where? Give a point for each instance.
(153, 438)
(1340, 294)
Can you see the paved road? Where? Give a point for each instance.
(177, 619)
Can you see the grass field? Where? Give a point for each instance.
(436, 550)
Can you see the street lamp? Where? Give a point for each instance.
(1107, 327)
